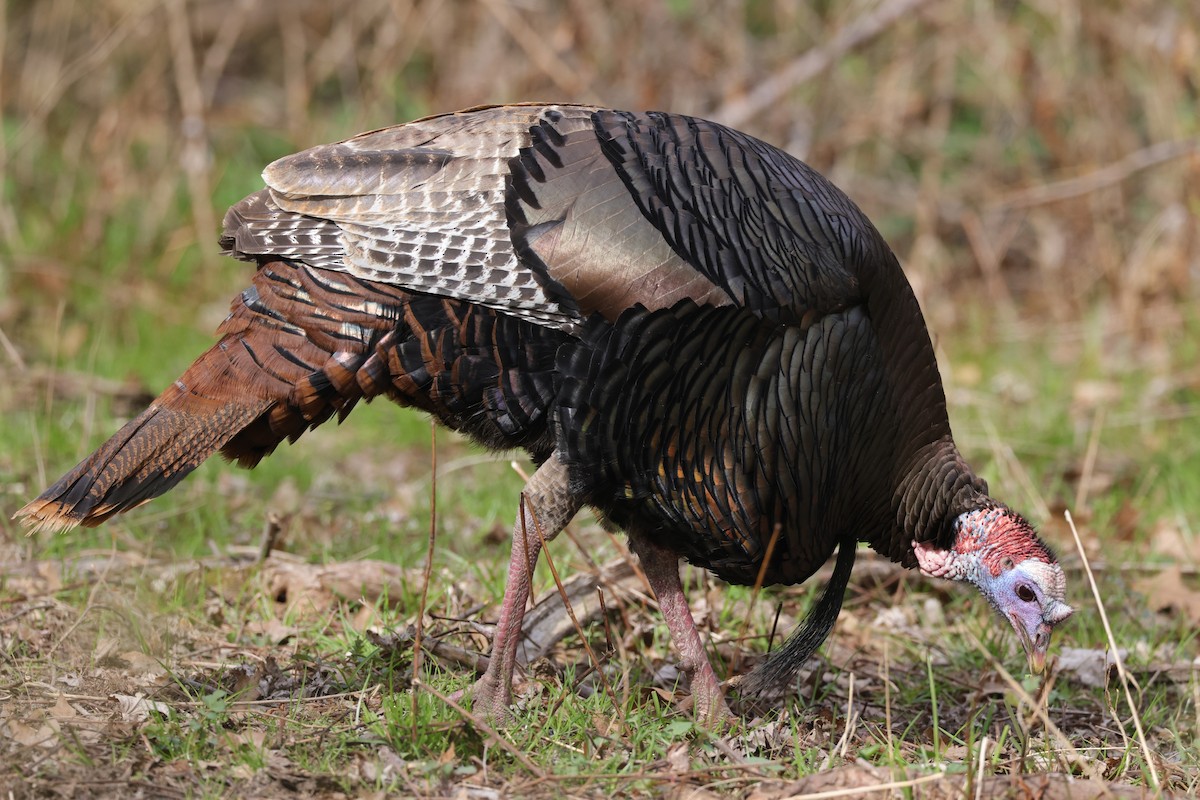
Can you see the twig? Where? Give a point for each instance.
(933, 705)
(1112, 642)
(851, 719)
(887, 698)
(17, 615)
(728, 751)
(859, 791)
(193, 126)
(14, 355)
(979, 772)
(419, 627)
(269, 538)
(562, 74)
(53, 692)
(1089, 458)
(1114, 173)
(814, 61)
(760, 578)
(537, 526)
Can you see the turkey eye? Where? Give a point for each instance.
(1025, 593)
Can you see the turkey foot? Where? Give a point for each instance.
(662, 571)
(546, 507)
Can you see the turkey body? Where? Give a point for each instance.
(686, 328)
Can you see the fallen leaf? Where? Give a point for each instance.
(145, 666)
(105, 647)
(842, 780)
(254, 737)
(62, 709)
(135, 708)
(29, 736)
(1168, 539)
(272, 630)
(677, 758)
(1089, 666)
(1167, 591)
(686, 792)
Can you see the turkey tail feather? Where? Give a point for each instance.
(298, 347)
(776, 672)
(151, 454)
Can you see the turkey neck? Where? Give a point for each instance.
(931, 482)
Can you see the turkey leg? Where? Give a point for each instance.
(547, 505)
(662, 571)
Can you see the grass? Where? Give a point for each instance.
(1005, 150)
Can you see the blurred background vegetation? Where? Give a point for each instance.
(1034, 164)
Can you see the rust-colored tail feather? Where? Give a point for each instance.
(152, 453)
(298, 347)
(267, 380)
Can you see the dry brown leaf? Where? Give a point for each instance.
(314, 588)
(1168, 539)
(105, 647)
(43, 735)
(146, 667)
(677, 758)
(1089, 666)
(1167, 590)
(254, 737)
(686, 792)
(272, 630)
(62, 709)
(135, 708)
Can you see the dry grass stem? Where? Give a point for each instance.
(866, 791)
(1116, 654)
(1089, 458)
(491, 733)
(758, 579)
(427, 572)
(1065, 745)
(982, 757)
(587, 646)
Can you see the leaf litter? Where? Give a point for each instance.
(85, 674)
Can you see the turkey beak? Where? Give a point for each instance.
(1036, 645)
(1037, 656)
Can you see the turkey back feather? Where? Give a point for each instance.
(708, 427)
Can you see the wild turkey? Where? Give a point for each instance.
(686, 328)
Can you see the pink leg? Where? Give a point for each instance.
(662, 571)
(546, 503)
